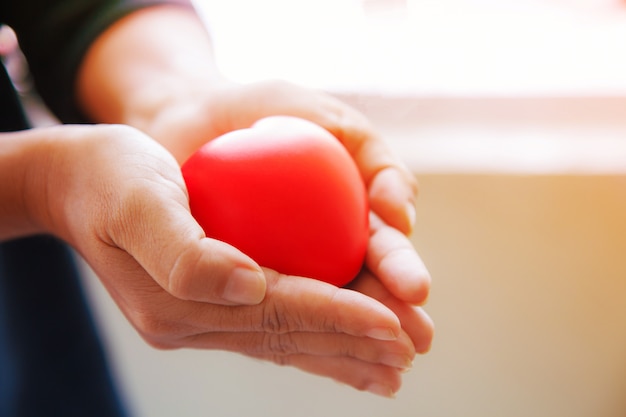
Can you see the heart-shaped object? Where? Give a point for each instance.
(286, 193)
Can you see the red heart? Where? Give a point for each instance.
(286, 193)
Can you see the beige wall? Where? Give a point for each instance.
(529, 295)
(529, 299)
(529, 281)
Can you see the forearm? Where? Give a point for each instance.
(143, 63)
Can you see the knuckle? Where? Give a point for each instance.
(279, 345)
(274, 320)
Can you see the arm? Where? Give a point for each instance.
(155, 70)
(118, 197)
(19, 156)
(152, 59)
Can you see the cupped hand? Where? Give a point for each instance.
(186, 123)
(119, 199)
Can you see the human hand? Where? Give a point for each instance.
(168, 47)
(392, 188)
(189, 120)
(185, 123)
(119, 199)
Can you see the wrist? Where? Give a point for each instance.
(23, 191)
(184, 118)
(143, 62)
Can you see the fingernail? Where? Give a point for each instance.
(382, 390)
(411, 215)
(245, 286)
(402, 362)
(382, 333)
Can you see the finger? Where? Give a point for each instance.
(296, 304)
(392, 258)
(380, 380)
(392, 194)
(397, 354)
(212, 271)
(192, 267)
(415, 322)
(169, 244)
(392, 188)
(422, 332)
(302, 304)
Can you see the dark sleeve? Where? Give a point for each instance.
(54, 36)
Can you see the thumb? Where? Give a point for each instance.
(112, 187)
(172, 248)
(211, 271)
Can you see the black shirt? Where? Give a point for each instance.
(55, 34)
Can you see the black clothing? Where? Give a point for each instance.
(51, 360)
(55, 34)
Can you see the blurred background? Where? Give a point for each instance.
(513, 116)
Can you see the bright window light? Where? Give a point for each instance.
(449, 47)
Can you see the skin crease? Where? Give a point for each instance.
(115, 193)
(85, 183)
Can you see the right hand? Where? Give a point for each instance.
(119, 198)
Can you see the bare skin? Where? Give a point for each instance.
(115, 193)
